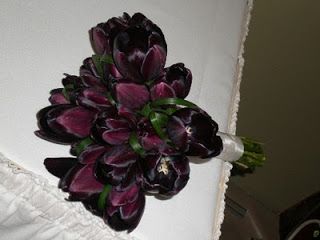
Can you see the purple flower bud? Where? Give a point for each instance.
(125, 207)
(194, 131)
(165, 175)
(140, 53)
(57, 97)
(90, 76)
(72, 80)
(110, 29)
(178, 78)
(64, 123)
(100, 41)
(162, 90)
(118, 166)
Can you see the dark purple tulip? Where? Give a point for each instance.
(177, 79)
(80, 182)
(102, 36)
(100, 41)
(117, 166)
(149, 139)
(57, 97)
(165, 175)
(59, 166)
(64, 123)
(90, 76)
(112, 130)
(139, 54)
(117, 176)
(72, 80)
(162, 90)
(88, 67)
(194, 131)
(125, 207)
(131, 95)
(91, 98)
(71, 83)
(91, 153)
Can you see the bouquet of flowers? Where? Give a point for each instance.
(129, 126)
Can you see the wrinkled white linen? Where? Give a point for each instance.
(43, 39)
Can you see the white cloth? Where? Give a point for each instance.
(43, 39)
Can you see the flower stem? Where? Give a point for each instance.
(253, 156)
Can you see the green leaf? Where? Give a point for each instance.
(158, 120)
(100, 61)
(82, 145)
(173, 101)
(170, 111)
(65, 90)
(146, 110)
(135, 145)
(106, 59)
(98, 65)
(110, 98)
(102, 197)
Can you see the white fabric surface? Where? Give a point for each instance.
(43, 39)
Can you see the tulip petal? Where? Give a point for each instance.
(114, 71)
(116, 136)
(91, 154)
(113, 123)
(161, 90)
(130, 210)
(98, 40)
(89, 80)
(53, 134)
(57, 97)
(93, 99)
(151, 142)
(206, 149)
(153, 63)
(123, 197)
(129, 66)
(119, 156)
(89, 67)
(179, 78)
(76, 121)
(177, 132)
(110, 175)
(128, 114)
(131, 95)
(59, 166)
(80, 182)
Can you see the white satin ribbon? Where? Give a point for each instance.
(232, 147)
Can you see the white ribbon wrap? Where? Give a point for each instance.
(232, 147)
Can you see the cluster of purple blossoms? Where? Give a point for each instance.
(127, 122)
